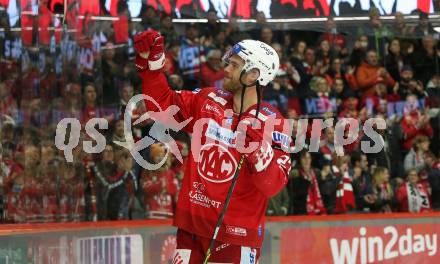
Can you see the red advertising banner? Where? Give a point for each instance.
(388, 243)
(366, 238)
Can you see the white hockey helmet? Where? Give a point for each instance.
(256, 55)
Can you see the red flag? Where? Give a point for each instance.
(27, 22)
(180, 3)
(166, 5)
(89, 6)
(4, 3)
(325, 7)
(424, 5)
(71, 14)
(310, 4)
(121, 29)
(114, 7)
(82, 25)
(243, 8)
(44, 23)
(293, 2)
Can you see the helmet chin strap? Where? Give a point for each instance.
(243, 90)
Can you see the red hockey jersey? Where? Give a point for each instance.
(212, 163)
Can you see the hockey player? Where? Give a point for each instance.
(250, 65)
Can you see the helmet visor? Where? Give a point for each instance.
(231, 52)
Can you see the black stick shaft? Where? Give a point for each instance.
(225, 207)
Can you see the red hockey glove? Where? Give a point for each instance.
(150, 50)
(261, 158)
(263, 155)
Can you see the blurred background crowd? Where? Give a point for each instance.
(84, 69)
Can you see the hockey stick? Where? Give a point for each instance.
(222, 214)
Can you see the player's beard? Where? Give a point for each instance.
(231, 85)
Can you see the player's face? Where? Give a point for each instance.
(232, 74)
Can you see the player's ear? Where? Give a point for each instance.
(253, 75)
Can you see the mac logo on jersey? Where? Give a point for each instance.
(216, 163)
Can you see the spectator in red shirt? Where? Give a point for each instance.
(377, 102)
(159, 186)
(368, 73)
(212, 71)
(414, 123)
(91, 108)
(336, 40)
(350, 106)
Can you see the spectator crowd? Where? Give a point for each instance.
(388, 71)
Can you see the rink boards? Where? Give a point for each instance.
(392, 238)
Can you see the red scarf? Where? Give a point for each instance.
(315, 206)
(344, 195)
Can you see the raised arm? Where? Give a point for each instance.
(150, 60)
